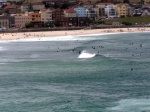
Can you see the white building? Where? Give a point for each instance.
(25, 7)
(90, 13)
(110, 11)
(38, 6)
(100, 9)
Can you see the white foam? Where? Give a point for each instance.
(128, 105)
(84, 54)
(66, 38)
(2, 63)
(61, 38)
(100, 34)
(1, 49)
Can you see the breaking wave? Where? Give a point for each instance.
(1, 48)
(62, 38)
(84, 54)
(132, 105)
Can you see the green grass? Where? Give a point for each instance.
(140, 20)
(135, 1)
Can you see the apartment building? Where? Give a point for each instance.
(110, 11)
(35, 19)
(46, 15)
(12, 9)
(57, 14)
(4, 21)
(21, 20)
(81, 11)
(122, 9)
(90, 13)
(100, 9)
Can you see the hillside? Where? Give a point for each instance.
(139, 20)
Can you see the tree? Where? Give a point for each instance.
(6, 11)
(29, 25)
(19, 3)
(126, 23)
(3, 6)
(64, 5)
(142, 1)
(126, 1)
(57, 24)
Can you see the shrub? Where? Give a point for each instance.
(29, 25)
(126, 23)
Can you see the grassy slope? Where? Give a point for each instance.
(139, 20)
(135, 0)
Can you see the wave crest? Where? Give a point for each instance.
(84, 54)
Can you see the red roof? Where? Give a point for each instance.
(70, 10)
(8, 7)
(11, 6)
(56, 10)
(43, 9)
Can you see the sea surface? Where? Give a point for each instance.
(86, 73)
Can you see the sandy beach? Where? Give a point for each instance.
(25, 35)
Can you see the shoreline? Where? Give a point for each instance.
(44, 34)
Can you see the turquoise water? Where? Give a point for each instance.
(94, 73)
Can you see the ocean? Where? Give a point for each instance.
(86, 73)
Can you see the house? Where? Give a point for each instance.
(148, 1)
(25, 7)
(122, 9)
(37, 6)
(2, 2)
(12, 9)
(70, 13)
(146, 6)
(88, 4)
(146, 13)
(131, 11)
(73, 2)
(138, 12)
